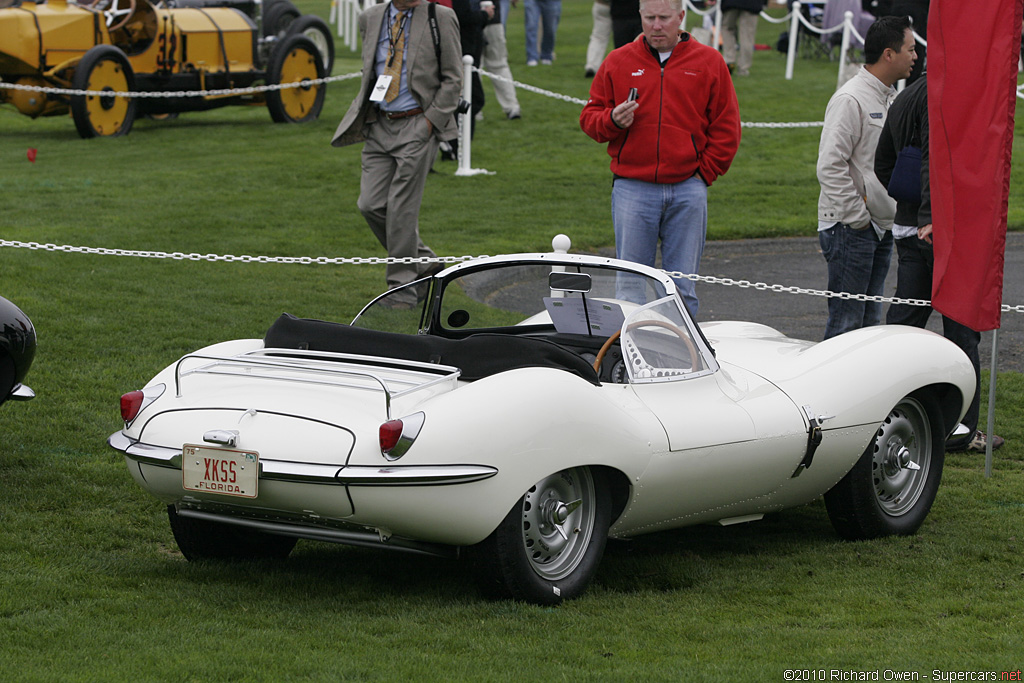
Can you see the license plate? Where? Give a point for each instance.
(224, 471)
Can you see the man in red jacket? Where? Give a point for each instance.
(668, 146)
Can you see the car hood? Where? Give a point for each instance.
(755, 347)
(857, 376)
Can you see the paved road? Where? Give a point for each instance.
(798, 262)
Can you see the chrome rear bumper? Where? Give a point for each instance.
(313, 473)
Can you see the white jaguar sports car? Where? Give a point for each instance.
(531, 407)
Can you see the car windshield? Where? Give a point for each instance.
(578, 306)
(571, 299)
(658, 344)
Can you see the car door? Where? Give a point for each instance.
(732, 435)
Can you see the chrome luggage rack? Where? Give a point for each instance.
(323, 368)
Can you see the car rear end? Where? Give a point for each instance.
(266, 434)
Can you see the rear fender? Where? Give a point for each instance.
(528, 423)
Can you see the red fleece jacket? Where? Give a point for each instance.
(687, 121)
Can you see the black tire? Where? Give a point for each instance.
(892, 486)
(526, 558)
(103, 68)
(295, 59)
(199, 539)
(319, 33)
(278, 15)
(7, 374)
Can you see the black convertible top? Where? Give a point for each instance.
(478, 355)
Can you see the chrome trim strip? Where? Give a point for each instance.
(21, 393)
(396, 363)
(411, 426)
(312, 473)
(369, 539)
(407, 375)
(299, 472)
(414, 475)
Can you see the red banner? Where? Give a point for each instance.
(973, 48)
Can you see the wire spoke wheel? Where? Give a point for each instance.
(902, 457)
(891, 488)
(558, 522)
(548, 546)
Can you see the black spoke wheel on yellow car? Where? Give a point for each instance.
(103, 69)
(200, 539)
(548, 547)
(295, 59)
(892, 486)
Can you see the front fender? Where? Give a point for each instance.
(856, 377)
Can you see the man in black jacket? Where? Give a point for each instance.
(907, 125)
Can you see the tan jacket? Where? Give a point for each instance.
(850, 191)
(438, 98)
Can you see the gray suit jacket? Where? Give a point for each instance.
(438, 98)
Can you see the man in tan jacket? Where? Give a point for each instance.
(855, 212)
(406, 104)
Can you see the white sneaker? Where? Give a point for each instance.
(545, 62)
(531, 62)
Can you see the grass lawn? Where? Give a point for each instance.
(92, 587)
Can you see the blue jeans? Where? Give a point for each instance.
(546, 12)
(857, 263)
(676, 214)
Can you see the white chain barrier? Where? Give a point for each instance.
(576, 100)
(323, 81)
(232, 258)
(374, 260)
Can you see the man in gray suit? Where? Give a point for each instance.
(405, 107)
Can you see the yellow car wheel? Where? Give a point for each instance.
(104, 68)
(295, 59)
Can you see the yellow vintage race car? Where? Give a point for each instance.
(159, 60)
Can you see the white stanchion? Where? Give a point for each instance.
(794, 26)
(352, 25)
(847, 27)
(345, 13)
(466, 124)
(991, 426)
(716, 33)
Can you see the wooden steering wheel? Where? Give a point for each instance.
(682, 334)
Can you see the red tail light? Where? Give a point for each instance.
(397, 436)
(134, 402)
(390, 433)
(131, 404)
